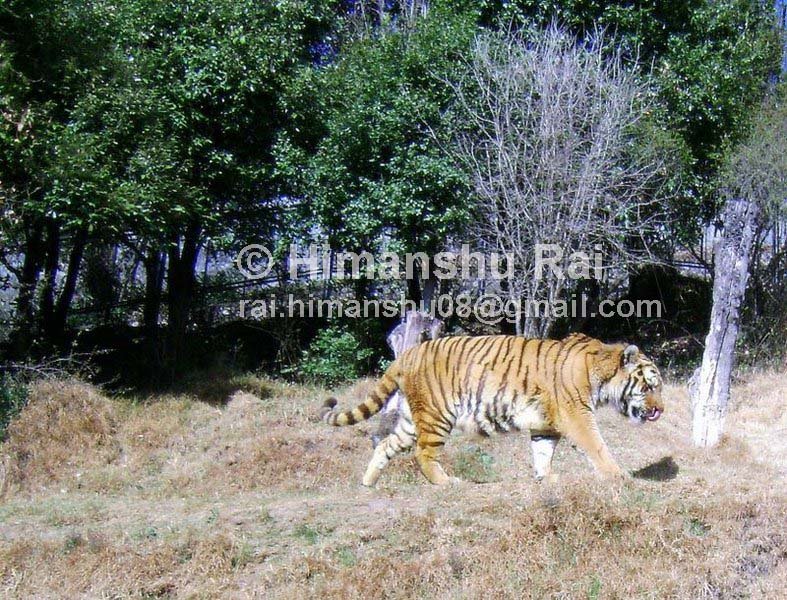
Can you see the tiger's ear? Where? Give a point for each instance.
(629, 356)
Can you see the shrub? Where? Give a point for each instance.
(473, 464)
(334, 356)
(13, 397)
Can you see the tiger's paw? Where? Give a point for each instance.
(616, 478)
(550, 479)
(371, 476)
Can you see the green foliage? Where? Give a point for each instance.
(334, 356)
(52, 54)
(141, 122)
(696, 527)
(474, 464)
(346, 557)
(13, 397)
(756, 168)
(594, 589)
(654, 137)
(711, 58)
(72, 542)
(185, 129)
(308, 533)
(134, 118)
(358, 149)
(145, 123)
(244, 554)
(714, 73)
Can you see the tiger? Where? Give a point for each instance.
(501, 383)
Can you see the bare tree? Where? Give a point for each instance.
(552, 134)
(754, 185)
(396, 14)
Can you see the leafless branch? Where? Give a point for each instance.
(550, 142)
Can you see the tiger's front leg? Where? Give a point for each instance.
(583, 431)
(543, 446)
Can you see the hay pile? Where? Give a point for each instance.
(66, 427)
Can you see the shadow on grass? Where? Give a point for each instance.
(663, 470)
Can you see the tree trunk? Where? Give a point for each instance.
(51, 267)
(536, 326)
(155, 263)
(180, 291)
(430, 291)
(22, 336)
(414, 290)
(732, 256)
(101, 279)
(514, 299)
(60, 313)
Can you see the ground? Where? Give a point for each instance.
(254, 497)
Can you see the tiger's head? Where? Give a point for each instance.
(635, 387)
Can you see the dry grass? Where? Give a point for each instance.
(66, 428)
(249, 496)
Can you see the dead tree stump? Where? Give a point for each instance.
(415, 328)
(710, 388)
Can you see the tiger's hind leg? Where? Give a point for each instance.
(400, 440)
(431, 433)
(426, 455)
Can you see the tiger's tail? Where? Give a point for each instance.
(371, 406)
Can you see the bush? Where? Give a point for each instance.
(13, 397)
(334, 356)
(474, 464)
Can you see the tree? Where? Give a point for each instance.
(52, 54)
(357, 153)
(217, 69)
(710, 61)
(753, 183)
(553, 139)
(144, 123)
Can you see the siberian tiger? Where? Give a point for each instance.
(499, 383)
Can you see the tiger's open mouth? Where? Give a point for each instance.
(652, 415)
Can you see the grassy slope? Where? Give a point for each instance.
(180, 498)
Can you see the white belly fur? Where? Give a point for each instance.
(465, 423)
(523, 416)
(529, 416)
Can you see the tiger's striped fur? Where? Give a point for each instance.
(501, 383)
